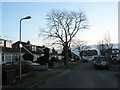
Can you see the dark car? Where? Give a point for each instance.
(27, 62)
(115, 59)
(100, 62)
(85, 60)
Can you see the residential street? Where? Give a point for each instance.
(84, 76)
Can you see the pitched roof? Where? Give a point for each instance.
(38, 48)
(11, 50)
(19, 42)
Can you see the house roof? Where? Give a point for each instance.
(21, 43)
(6, 40)
(2, 39)
(74, 54)
(38, 50)
(11, 50)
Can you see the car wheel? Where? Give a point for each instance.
(107, 68)
(96, 68)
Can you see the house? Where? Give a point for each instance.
(11, 52)
(5, 43)
(34, 50)
(74, 56)
(115, 52)
(8, 54)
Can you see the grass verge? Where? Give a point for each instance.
(37, 79)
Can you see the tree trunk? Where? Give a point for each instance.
(66, 55)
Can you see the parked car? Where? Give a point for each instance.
(72, 59)
(84, 60)
(115, 58)
(27, 62)
(100, 62)
(27, 65)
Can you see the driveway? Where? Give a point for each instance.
(84, 76)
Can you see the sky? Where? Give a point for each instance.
(102, 18)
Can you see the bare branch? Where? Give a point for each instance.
(64, 25)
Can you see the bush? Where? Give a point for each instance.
(54, 59)
(25, 68)
(42, 60)
(28, 56)
(51, 64)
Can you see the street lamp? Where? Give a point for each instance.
(20, 45)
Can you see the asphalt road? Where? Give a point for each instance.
(84, 76)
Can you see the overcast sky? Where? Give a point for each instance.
(102, 18)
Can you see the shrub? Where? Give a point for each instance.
(51, 64)
(28, 56)
(42, 60)
(25, 68)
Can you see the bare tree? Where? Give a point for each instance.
(80, 45)
(107, 41)
(64, 25)
(105, 44)
(102, 48)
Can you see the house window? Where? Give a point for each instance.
(115, 51)
(33, 48)
(8, 44)
(1, 42)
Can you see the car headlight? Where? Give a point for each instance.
(98, 63)
(103, 63)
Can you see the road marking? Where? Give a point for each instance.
(65, 72)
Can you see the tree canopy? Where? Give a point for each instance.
(64, 25)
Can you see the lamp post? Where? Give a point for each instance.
(20, 45)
